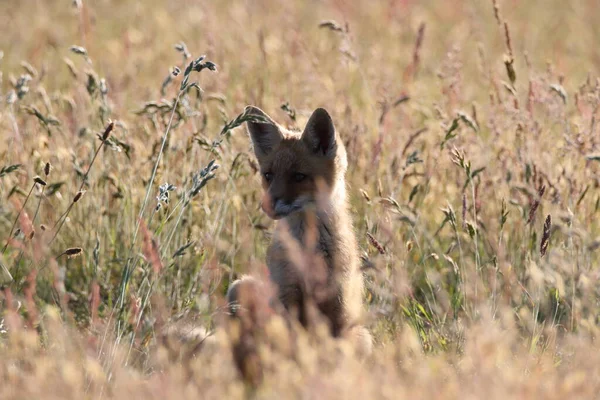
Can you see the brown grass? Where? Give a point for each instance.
(472, 134)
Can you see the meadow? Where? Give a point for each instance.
(130, 196)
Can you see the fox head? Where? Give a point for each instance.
(298, 168)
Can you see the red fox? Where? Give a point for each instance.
(303, 176)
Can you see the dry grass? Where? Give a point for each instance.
(473, 141)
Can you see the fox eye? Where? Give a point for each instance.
(268, 176)
(298, 177)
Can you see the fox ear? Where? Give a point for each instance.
(265, 135)
(319, 134)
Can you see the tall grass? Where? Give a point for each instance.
(473, 142)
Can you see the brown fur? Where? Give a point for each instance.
(313, 255)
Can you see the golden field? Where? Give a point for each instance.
(472, 130)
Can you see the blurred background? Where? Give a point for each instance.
(473, 142)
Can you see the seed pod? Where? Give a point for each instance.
(39, 180)
(47, 169)
(78, 196)
(535, 203)
(375, 243)
(546, 236)
(73, 252)
(108, 130)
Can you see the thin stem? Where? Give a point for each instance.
(126, 272)
(17, 218)
(475, 238)
(38, 205)
(62, 222)
(64, 216)
(151, 182)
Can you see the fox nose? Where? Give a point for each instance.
(275, 201)
(269, 204)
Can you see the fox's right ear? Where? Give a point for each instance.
(264, 132)
(319, 134)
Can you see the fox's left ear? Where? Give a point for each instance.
(319, 134)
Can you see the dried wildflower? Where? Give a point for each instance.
(195, 65)
(78, 196)
(510, 69)
(546, 236)
(201, 178)
(8, 169)
(39, 181)
(375, 243)
(163, 192)
(103, 86)
(71, 67)
(332, 25)
(291, 112)
(503, 214)
(11, 97)
(467, 119)
(365, 195)
(535, 203)
(247, 116)
(21, 85)
(496, 11)
(82, 52)
(108, 130)
(71, 252)
(417, 49)
(182, 48)
(180, 252)
(29, 68)
(560, 90)
(508, 41)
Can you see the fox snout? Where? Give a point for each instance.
(277, 208)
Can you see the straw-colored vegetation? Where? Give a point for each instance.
(129, 195)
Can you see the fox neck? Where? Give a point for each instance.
(333, 222)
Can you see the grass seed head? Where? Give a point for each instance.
(546, 236)
(375, 243)
(73, 252)
(108, 130)
(78, 196)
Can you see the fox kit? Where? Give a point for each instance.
(303, 176)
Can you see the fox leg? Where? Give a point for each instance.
(242, 294)
(248, 305)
